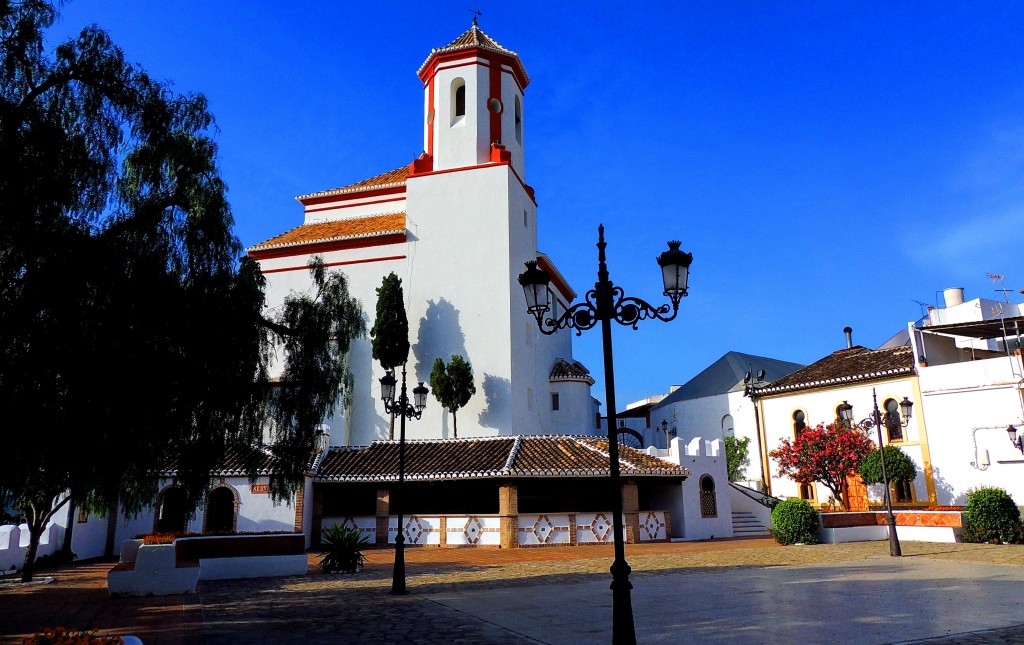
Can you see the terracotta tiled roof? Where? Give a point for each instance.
(233, 462)
(854, 365)
(487, 458)
(570, 371)
(473, 38)
(336, 230)
(388, 179)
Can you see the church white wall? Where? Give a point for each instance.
(88, 538)
(967, 407)
(509, 92)
(459, 293)
(354, 208)
(575, 408)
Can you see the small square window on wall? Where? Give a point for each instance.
(83, 515)
(554, 400)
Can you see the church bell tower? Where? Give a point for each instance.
(473, 100)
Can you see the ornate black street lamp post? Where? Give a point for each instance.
(605, 303)
(403, 409)
(875, 421)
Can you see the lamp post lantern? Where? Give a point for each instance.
(403, 409)
(1015, 439)
(875, 421)
(605, 303)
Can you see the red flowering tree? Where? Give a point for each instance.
(824, 454)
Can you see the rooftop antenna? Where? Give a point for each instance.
(924, 307)
(476, 13)
(1001, 279)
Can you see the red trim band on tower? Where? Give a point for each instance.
(336, 264)
(495, 93)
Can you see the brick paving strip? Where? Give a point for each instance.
(357, 608)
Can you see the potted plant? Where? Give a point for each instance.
(344, 545)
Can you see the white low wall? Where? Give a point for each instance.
(264, 566)
(907, 533)
(14, 541)
(155, 574)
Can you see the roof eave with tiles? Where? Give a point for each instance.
(564, 371)
(796, 382)
(392, 179)
(639, 464)
(474, 38)
(389, 229)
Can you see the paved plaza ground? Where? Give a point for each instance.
(725, 591)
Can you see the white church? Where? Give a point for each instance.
(470, 183)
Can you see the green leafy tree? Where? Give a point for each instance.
(390, 333)
(898, 466)
(737, 457)
(824, 454)
(389, 337)
(132, 339)
(453, 386)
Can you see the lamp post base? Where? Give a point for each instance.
(623, 630)
(398, 575)
(894, 541)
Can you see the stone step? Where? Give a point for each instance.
(746, 524)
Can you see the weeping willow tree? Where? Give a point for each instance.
(132, 338)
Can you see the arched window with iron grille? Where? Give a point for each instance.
(708, 503)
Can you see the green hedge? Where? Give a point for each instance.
(991, 516)
(795, 521)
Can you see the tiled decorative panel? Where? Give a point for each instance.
(594, 528)
(418, 529)
(474, 530)
(547, 529)
(652, 526)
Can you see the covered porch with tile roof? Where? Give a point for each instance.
(501, 492)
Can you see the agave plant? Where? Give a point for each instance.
(344, 545)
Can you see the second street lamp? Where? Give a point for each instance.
(605, 303)
(875, 421)
(403, 409)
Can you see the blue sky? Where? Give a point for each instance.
(827, 163)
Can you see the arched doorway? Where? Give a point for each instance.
(171, 513)
(220, 510)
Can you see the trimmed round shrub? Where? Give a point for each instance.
(992, 517)
(898, 466)
(795, 521)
